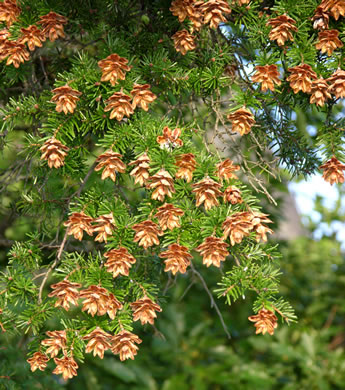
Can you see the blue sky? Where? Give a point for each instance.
(305, 193)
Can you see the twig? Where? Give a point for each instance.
(331, 317)
(83, 183)
(187, 289)
(53, 265)
(228, 289)
(213, 302)
(62, 246)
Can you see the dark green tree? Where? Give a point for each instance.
(118, 120)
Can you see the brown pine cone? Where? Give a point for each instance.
(33, 36)
(177, 258)
(57, 340)
(124, 344)
(77, 224)
(113, 68)
(183, 41)
(242, 121)
(99, 341)
(66, 366)
(337, 84)
(52, 25)
(144, 310)
(147, 233)
(66, 99)
(282, 28)
(213, 251)
(141, 170)
(333, 171)
(9, 12)
(301, 78)
(54, 152)
(162, 184)
(142, 96)
(319, 92)
(66, 293)
(268, 76)
(38, 361)
(111, 163)
(187, 164)
(265, 321)
(119, 261)
(328, 41)
(225, 170)
(119, 105)
(169, 216)
(207, 191)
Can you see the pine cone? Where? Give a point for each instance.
(96, 300)
(66, 99)
(141, 170)
(113, 305)
(225, 170)
(183, 41)
(207, 191)
(187, 164)
(124, 344)
(147, 233)
(105, 226)
(111, 163)
(4, 34)
(163, 185)
(213, 250)
(258, 220)
(54, 152)
(337, 84)
(9, 12)
(237, 226)
(282, 28)
(182, 9)
(242, 121)
(265, 321)
(113, 68)
(333, 171)
(52, 25)
(213, 11)
(196, 16)
(320, 19)
(5, 45)
(170, 138)
(301, 78)
(33, 36)
(38, 361)
(328, 41)
(119, 261)
(78, 223)
(319, 92)
(142, 96)
(144, 310)
(66, 366)
(66, 293)
(57, 340)
(119, 105)
(232, 195)
(335, 7)
(16, 53)
(177, 258)
(267, 75)
(99, 341)
(169, 216)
